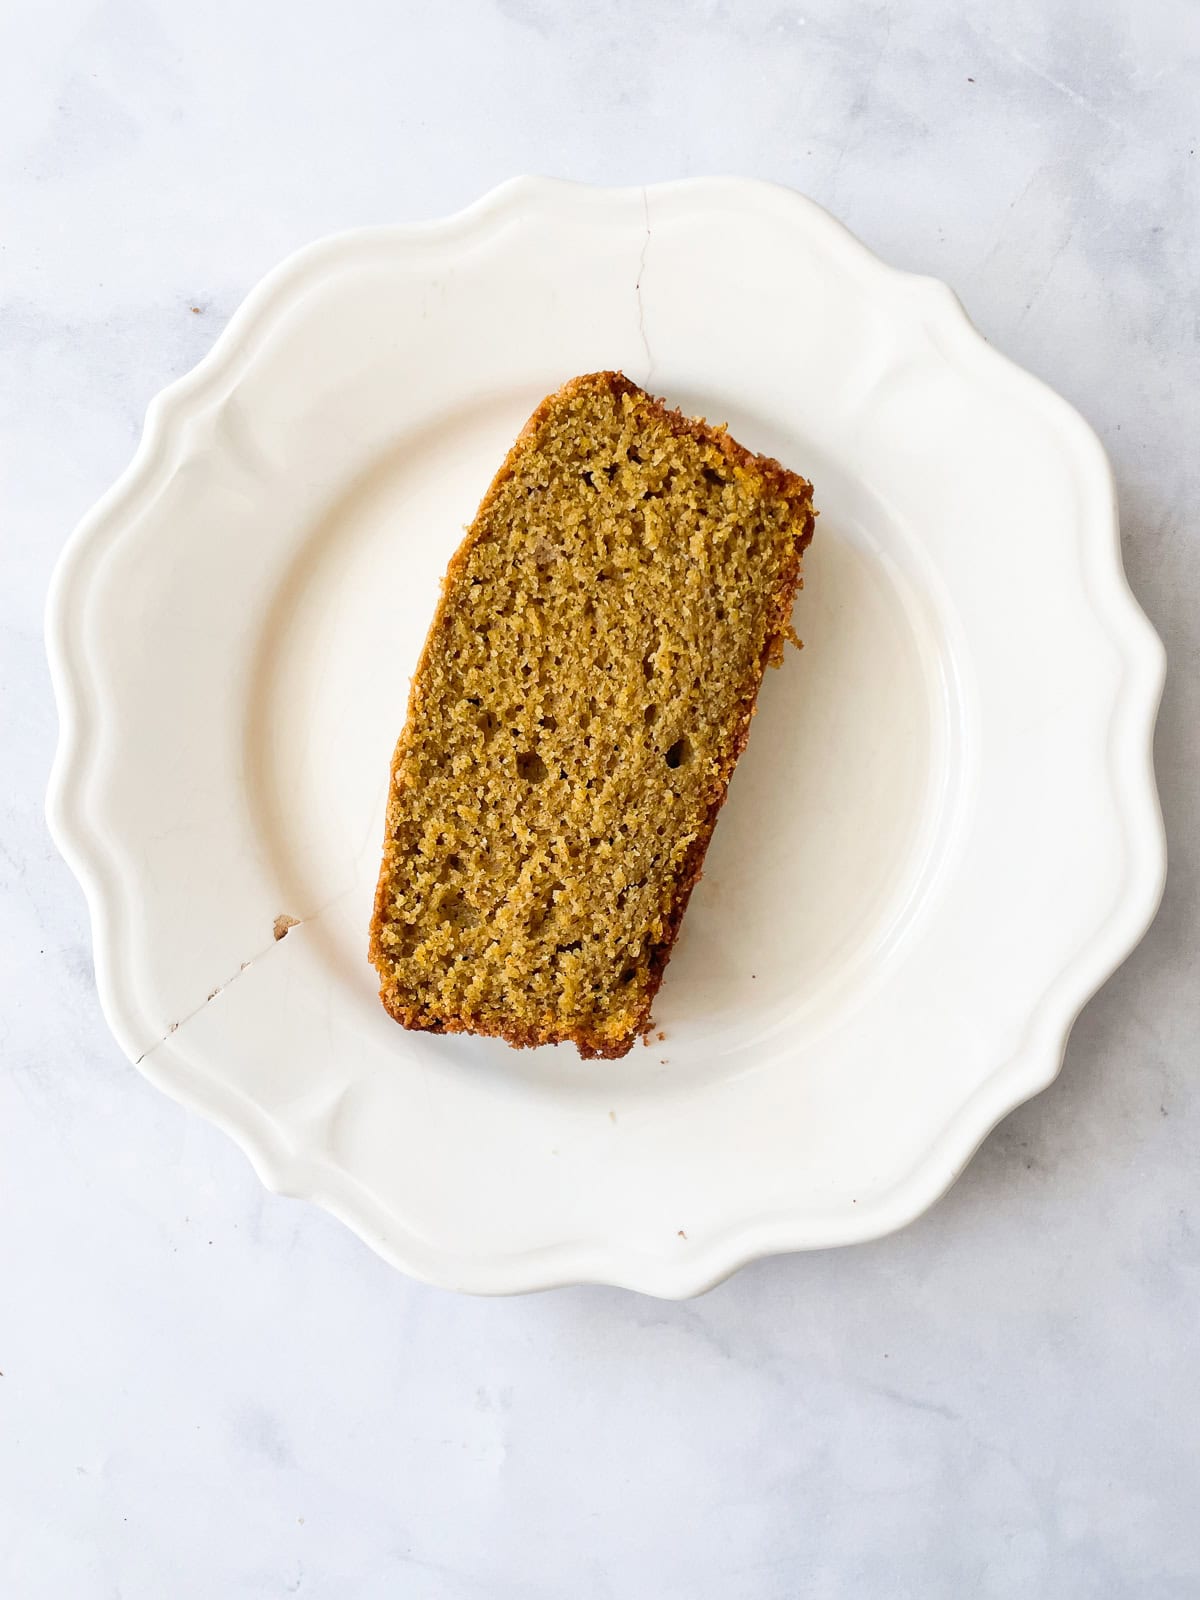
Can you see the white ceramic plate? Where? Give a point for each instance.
(942, 838)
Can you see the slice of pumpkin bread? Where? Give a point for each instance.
(583, 696)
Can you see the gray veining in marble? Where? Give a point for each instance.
(208, 1391)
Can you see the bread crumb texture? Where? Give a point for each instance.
(582, 698)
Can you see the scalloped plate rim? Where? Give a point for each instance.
(1031, 1069)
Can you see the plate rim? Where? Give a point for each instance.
(1027, 1071)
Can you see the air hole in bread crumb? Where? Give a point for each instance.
(531, 767)
(459, 913)
(680, 753)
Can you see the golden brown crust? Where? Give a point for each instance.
(778, 482)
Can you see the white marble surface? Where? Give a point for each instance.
(208, 1391)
